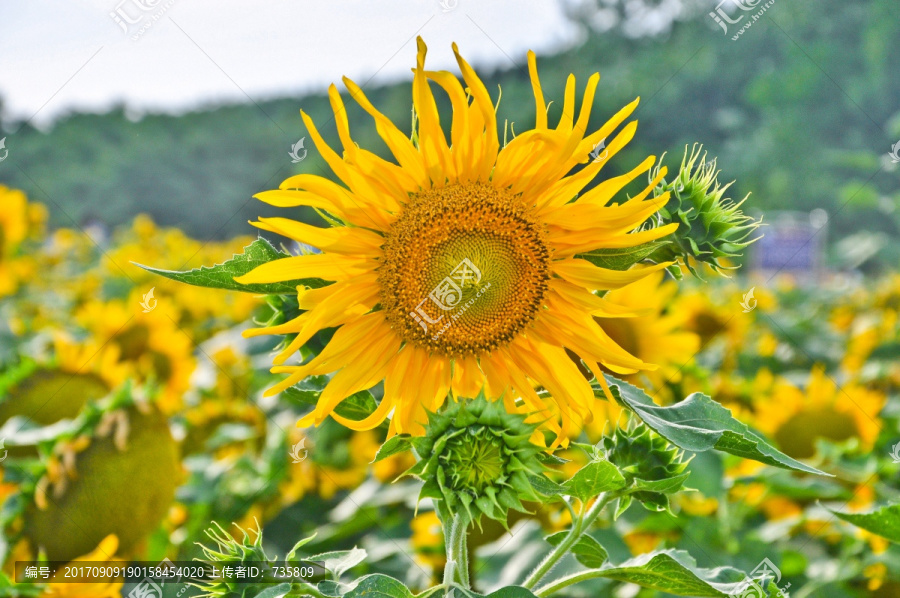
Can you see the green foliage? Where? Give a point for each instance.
(594, 478)
(671, 571)
(221, 276)
(587, 550)
(884, 521)
(306, 393)
(700, 424)
(338, 562)
(622, 258)
(370, 586)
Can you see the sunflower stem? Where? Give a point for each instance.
(564, 582)
(455, 540)
(579, 527)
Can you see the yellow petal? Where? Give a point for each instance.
(321, 265)
(583, 273)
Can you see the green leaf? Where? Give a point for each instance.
(511, 592)
(339, 562)
(357, 407)
(279, 591)
(378, 586)
(675, 572)
(666, 486)
(594, 478)
(587, 550)
(221, 276)
(545, 486)
(507, 592)
(884, 522)
(394, 446)
(307, 391)
(330, 588)
(622, 504)
(551, 459)
(292, 555)
(621, 258)
(699, 424)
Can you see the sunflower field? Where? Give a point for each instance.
(475, 360)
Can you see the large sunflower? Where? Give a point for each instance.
(459, 266)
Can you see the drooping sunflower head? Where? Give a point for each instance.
(129, 453)
(462, 266)
(57, 387)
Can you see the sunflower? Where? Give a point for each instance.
(711, 318)
(655, 335)
(459, 267)
(151, 345)
(796, 419)
(57, 387)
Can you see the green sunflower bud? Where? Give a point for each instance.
(229, 552)
(712, 227)
(476, 459)
(652, 466)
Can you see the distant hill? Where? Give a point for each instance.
(802, 113)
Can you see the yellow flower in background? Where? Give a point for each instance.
(711, 319)
(655, 335)
(146, 243)
(57, 386)
(13, 219)
(18, 220)
(428, 539)
(887, 295)
(105, 554)
(469, 251)
(151, 344)
(866, 334)
(796, 418)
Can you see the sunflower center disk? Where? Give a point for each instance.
(465, 269)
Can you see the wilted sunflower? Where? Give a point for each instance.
(458, 267)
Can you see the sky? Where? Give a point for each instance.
(60, 56)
